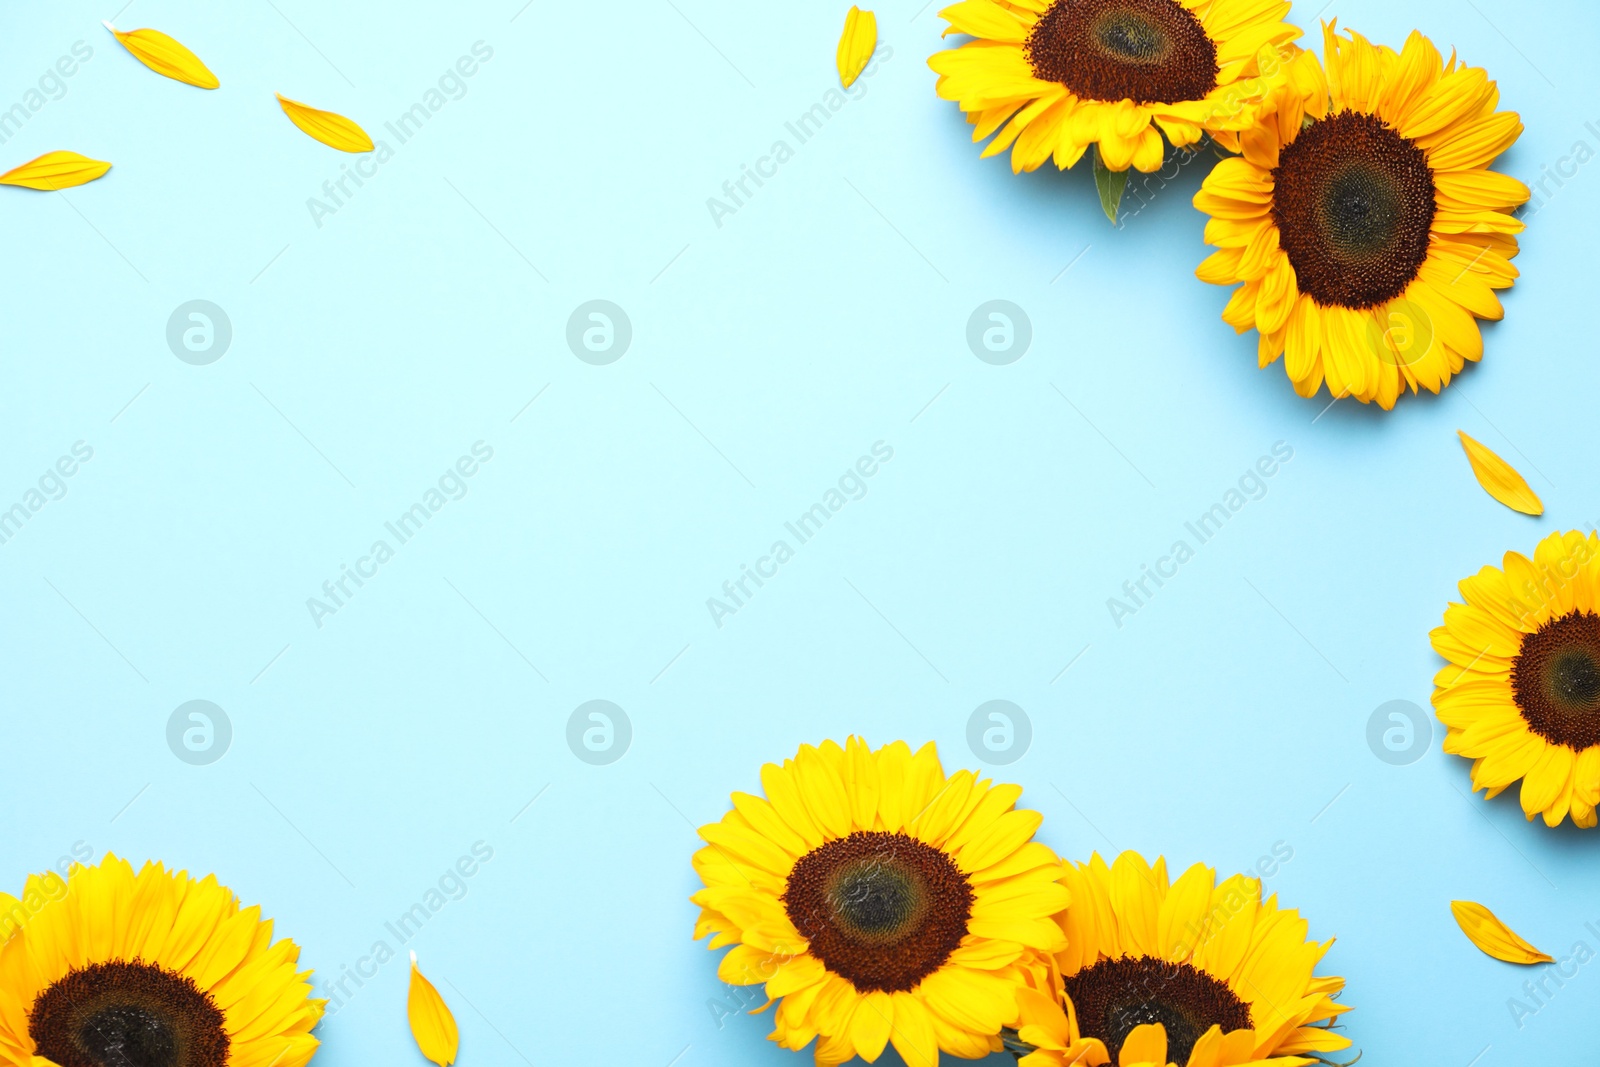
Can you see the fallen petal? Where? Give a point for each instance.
(165, 56)
(1500, 479)
(331, 129)
(1492, 936)
(55, 170)
(856, 44)
(432, 1023)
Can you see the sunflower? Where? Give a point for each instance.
(1192, 973)
(1060, 75)
(881, 901)
(1521, 696)
(107, 968)
(1370, 240)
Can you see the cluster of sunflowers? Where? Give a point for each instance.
(882, 902)
(1356, 213)
(1355, 210)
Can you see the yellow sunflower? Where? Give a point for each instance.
(1369, 241)
(1060, 75)
(107, 968)
(1521, 696)
(1190, 973)
(881, 900)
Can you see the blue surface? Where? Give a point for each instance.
(829, 312)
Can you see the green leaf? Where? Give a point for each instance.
(1110, 184)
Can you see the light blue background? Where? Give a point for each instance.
(768, 354)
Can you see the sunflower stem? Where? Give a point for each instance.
(1014, 1044)
(1337, 1063)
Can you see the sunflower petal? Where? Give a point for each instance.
(1493, 937)
(1499, 479)
(165, 56)
(432, 1023)
(55, 170)
(331, 129)
(1146, 1044)
(986, 20)
(856, 44)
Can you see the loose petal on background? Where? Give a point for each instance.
(432, 1024)
(331, 129)
(1500, 479)
(1493, 936)
(856, 45)
(166, 57)
(55, 170)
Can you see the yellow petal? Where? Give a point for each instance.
(1493, 936)
(872, 1024)
(165, 56)
(1499, 479)
(431, 1022)
(55, 170)
(1146, 1044)
(986, 20)
(856, 44)
(11, 915)
(333, 130)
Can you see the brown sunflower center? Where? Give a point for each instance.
(128, 1014)
(1555, 680)
(1147, 51)
(1115, 996)
(881, 910)
(1353, 203)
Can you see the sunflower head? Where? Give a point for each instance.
(1366, 242)
(108, 968)
(1056, 76)
(882, 901)
(1189, 972)
(1521, 694)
